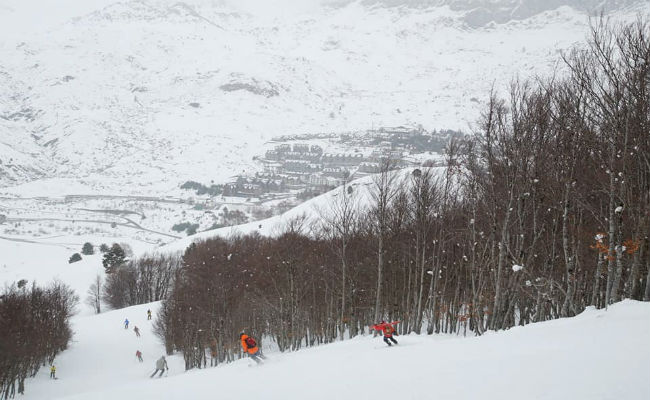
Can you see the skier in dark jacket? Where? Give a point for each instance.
(161, 365)
(388, 330)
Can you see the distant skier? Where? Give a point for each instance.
(126, 323)
(148, 314)
(137, 331)
(161, 365)
(138, 354)
(388, 330)
(250, 347)
(52, 372)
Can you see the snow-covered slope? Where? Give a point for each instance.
(596, 355)
(43, 260)
(140, 96)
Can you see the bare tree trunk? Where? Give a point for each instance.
(568, 260)
(646, 295)
(503, 244)
(380, 277)
(633, 279)
(595, 295)
(611, 233)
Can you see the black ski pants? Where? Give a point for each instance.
(389, 339)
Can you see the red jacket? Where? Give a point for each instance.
(387, 328)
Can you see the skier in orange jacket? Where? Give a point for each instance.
(250, 346)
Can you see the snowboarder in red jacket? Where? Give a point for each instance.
(388, 330)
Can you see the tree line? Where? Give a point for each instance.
(35, 328)
(542, 211)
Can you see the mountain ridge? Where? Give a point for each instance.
(135, 93)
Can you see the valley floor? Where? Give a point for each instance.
(597, 355)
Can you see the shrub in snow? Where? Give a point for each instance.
(74, 258)
(88, 249)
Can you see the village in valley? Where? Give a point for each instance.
(308, 165)
(290, 169)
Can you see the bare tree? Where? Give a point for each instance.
(383, 192)
(94, 293)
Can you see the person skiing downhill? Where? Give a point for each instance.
(126, 323)
(148, 314)
(161, 365)
(52, 372)
(388, 330)
(138, 354)
(137, 331)
(250, 347)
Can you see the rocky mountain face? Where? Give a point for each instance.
(145, 94)
(480, 12)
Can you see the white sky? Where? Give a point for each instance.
(25, 16)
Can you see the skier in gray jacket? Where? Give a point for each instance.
(161, 365)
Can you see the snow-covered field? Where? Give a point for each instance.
(597, 355)
(46, 259)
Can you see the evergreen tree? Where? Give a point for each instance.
(103, 248)
(88, 249)
(113, 258)
(74, 258)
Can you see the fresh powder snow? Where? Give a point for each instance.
(599, 354)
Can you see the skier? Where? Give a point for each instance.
(126, 323)
(137, 331)
(161, 365)
(250, 346)
(388, 330)
(148, 314)
(52, 372)
(138, 354)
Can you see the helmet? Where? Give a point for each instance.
(241, 334)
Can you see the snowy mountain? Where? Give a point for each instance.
(481, 12)
(139, 96)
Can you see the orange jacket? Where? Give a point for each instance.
(386, 328)
(248, 350)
